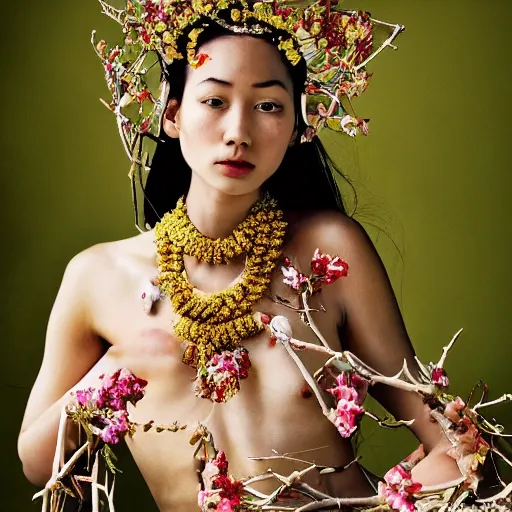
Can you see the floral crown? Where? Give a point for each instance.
(335, 44)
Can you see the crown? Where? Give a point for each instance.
(335, 44)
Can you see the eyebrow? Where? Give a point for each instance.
(258, 85)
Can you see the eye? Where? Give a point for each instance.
(214, 102)
(269, 106)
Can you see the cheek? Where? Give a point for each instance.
(197, 130)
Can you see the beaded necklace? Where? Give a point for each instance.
(216, 322)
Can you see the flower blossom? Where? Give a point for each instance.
(150, 295)
(328, 269)
(104, 409)
(120, 388)
(220, 379)
(453, 409)
(349, 392)
(398, 488)
(292, 277)
(221, 492)
(469, 449)
(281, 328)
(349, 125)
(112, 429)
(440, 377)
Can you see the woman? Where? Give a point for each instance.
(234, 119)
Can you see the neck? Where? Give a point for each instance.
(214, 213)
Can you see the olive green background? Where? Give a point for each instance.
(434, 175)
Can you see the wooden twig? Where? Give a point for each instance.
(507, 397)
(312, 324)
(447, 348)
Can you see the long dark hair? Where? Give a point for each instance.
(304, 180)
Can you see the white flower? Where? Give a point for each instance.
(349, 125)
(149, 296)
(281, 328)
(292, 277)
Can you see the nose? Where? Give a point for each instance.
(237, 130)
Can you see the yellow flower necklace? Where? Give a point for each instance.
(212, 323)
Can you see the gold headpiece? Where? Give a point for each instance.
(336, 45)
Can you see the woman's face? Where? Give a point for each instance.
(238, 105)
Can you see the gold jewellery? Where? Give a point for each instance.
(215, 322)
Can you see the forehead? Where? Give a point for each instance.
(240, 60)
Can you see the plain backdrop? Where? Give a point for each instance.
(434, 177)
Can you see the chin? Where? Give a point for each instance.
(237, 186)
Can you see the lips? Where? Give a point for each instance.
(236, 168)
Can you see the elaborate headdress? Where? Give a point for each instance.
(336, 45)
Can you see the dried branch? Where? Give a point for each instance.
(312, 324)
(307, 377)
(447, 348)
(507, 397)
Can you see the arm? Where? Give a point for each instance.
(71, 350)
(373, 330)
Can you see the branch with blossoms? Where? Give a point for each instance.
(340, 387)
(102, 417)
(346, 379)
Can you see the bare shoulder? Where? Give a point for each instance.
(104, 271)
(113, 256)
(332, 232)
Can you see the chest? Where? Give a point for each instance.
(145, 342)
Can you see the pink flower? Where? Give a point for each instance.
(208, 500)
(220, 379)
(224, 506)
(85, 396)
(395, 475)
(209, 473)
(453, 409)
(292, 277)
(112, 429)
(397, 500)
(328, 268)
(398, 489)
(202, 497)
(350, 386)
(347, 414)
(440, 377)
(120, 388)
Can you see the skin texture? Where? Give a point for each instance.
(98, 307)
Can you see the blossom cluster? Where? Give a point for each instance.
(221, 491)
(398, 489)
(469, 448)
(220, 379)
(103, 410)
(349, 392)
(440, 377)
(326, 269)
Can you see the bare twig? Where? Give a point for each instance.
(447, 348)
(307, 377)
(312, 324)
(61, 435)
(340, 502)
(507, 397)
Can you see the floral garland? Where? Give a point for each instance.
(336, 45)
(212, 323)
(103, 414)
(222, 250)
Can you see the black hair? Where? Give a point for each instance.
(304, 180)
